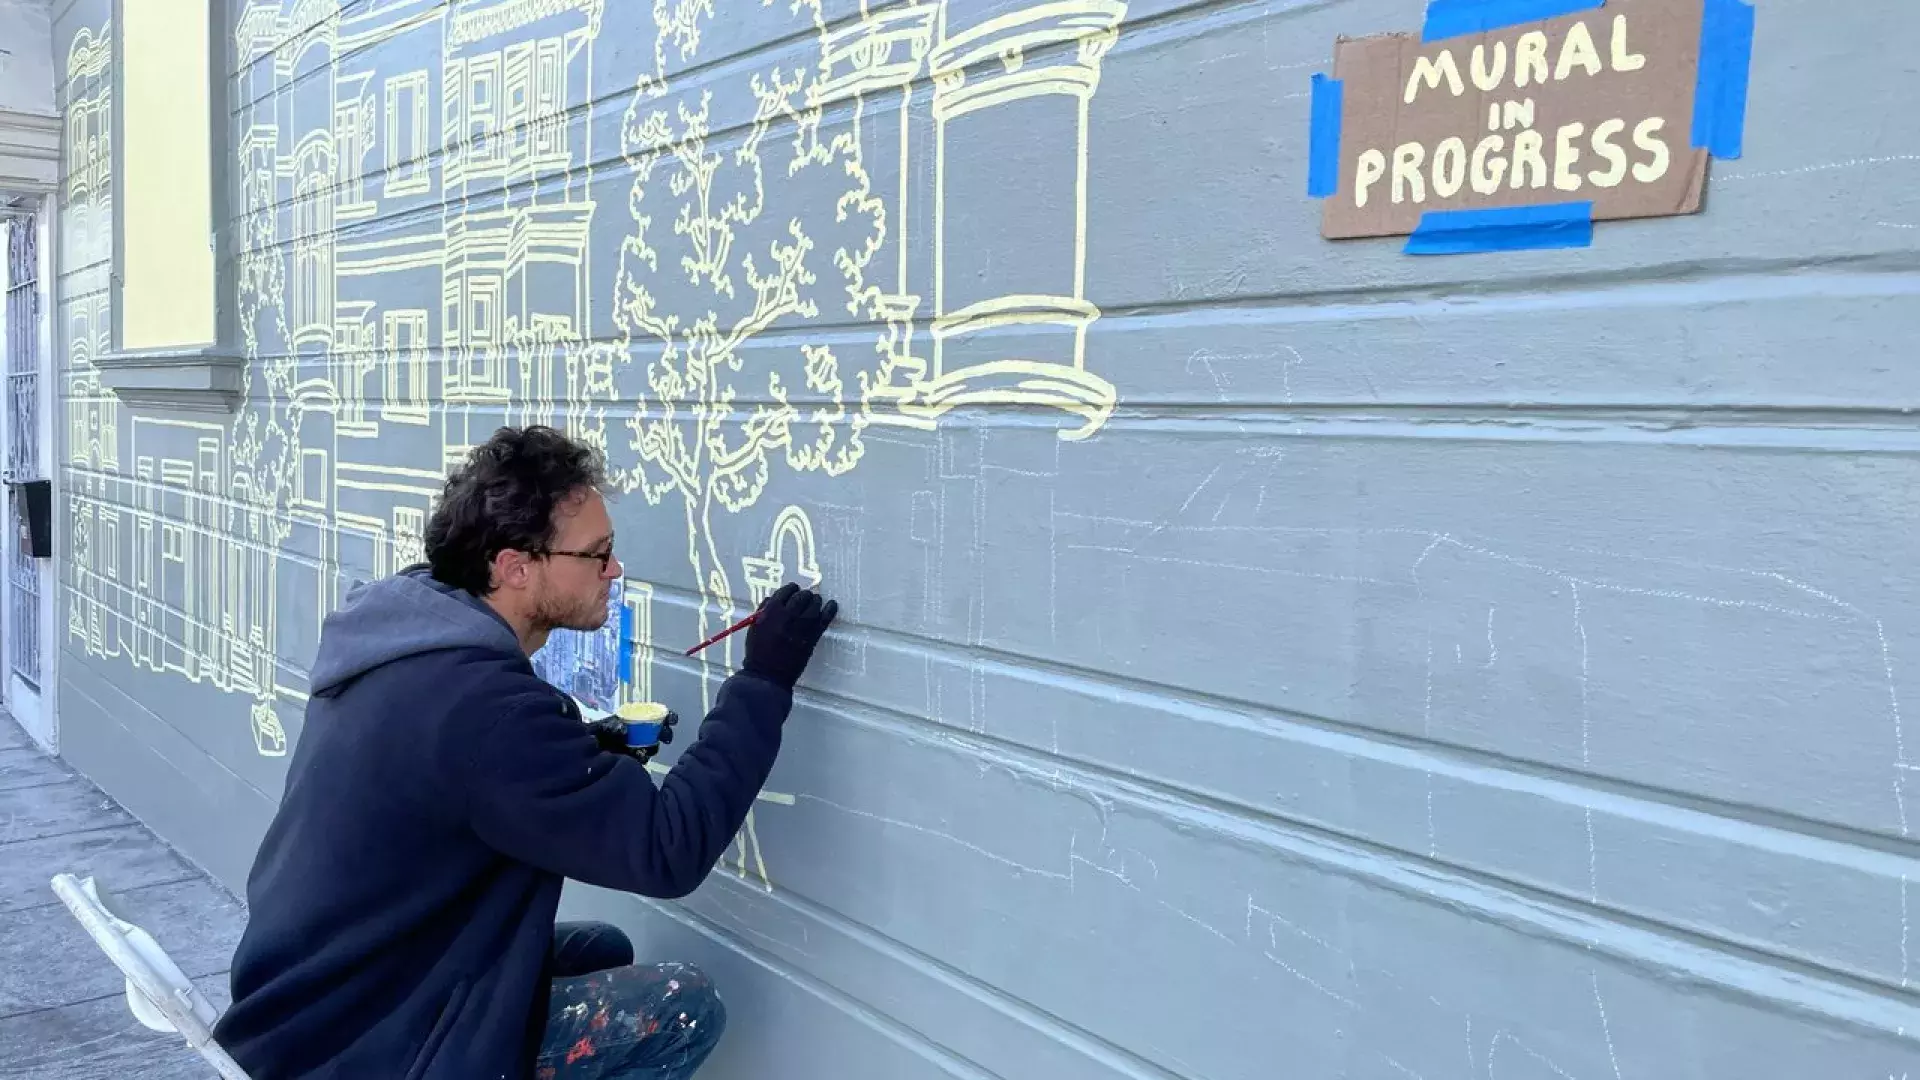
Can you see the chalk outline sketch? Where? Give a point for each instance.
(266, 509)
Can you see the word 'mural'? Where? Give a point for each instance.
(1535, 159)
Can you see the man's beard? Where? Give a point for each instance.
(553, 614)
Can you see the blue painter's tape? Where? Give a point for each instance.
(626, 645)
(1323, 142)
(1507, 228)
(1720, 93)
(1453, 18)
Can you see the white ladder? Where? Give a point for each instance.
(160, 994)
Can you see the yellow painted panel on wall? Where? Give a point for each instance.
(166, 265)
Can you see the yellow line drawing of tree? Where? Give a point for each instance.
(711, 422)
(266, 434)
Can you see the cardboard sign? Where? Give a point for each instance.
(1586, 116)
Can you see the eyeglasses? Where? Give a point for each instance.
(601, 557)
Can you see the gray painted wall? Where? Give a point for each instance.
(26, 55)
(1476, 667)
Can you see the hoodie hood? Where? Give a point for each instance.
(400, 616)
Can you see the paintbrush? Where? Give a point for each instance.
(735, 628)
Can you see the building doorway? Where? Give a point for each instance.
(27, 583)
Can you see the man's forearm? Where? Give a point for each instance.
(738, 742)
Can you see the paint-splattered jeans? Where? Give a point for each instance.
(612, 1019)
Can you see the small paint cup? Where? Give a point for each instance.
(643, 720)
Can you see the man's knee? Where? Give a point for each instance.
(694, 1003)
(582, 948)
(649, 1019)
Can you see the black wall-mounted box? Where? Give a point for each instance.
(36, 498)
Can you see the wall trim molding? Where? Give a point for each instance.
(199, 379)
(29, 152)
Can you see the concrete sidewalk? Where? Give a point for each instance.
(63, 1010)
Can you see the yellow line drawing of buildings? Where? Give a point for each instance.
(440, 218)
(696, 439)
(415, 267)
(169, 559)
(766, 572)
(344, 323)
(1045, 56)
(93, 418)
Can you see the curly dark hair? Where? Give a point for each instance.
(502, 499)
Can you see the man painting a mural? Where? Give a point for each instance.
(403, 902)
(1536, 698)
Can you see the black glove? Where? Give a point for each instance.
(611, 736)
(781, 640)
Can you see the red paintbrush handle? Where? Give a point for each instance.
(741, 625)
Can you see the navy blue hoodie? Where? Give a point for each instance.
(402, 903)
